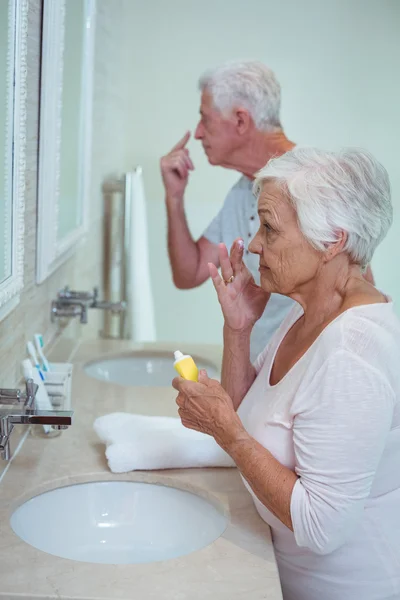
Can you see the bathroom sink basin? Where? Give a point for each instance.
(146, 368)
(118, 522)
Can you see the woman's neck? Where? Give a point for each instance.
(336, 288)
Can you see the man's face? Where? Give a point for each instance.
(217, 132)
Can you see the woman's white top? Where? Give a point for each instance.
(334, 419)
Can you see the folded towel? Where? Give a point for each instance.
(138, 442)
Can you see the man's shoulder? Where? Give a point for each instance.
(243, 184)
(241, 191)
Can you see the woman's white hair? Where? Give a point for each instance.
(331, 192)
(247, 84)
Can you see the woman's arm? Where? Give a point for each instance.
(242, 303)
(340, 428)
(341, 420)
(238, 373)
(205, 406)
(339, 433)
(271, 482)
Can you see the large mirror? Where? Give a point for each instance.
(65, 130)
(13, 27)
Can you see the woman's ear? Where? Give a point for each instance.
(335, 248)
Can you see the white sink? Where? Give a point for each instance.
(118, 522)
(146, 368)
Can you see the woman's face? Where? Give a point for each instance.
(288, 262)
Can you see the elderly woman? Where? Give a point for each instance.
(314, 425)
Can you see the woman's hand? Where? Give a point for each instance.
(206, 407)
(242, 300)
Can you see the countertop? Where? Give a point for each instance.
(240, 564)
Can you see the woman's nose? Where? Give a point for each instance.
(255, 246)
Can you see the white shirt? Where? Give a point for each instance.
(334, 419)
(238, 217)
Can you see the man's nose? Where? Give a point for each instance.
(198, 134)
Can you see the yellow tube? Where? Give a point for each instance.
(186, 366)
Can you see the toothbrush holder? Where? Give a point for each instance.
(59, 384)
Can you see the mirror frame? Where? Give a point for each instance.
(51, 252)
(11, 287)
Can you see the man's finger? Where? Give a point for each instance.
(180, 167)
(188, 163)
(182, 142)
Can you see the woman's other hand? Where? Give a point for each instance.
(241, 299)
(206, 407)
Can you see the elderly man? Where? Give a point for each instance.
(239, 129)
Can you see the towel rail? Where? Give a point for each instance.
(116, 252)
(126, 271)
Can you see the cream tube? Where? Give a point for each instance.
(185, 366)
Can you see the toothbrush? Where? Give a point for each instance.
(31, 351)
(39, 345)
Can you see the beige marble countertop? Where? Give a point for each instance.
(240, 564)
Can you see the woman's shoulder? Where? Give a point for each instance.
(368, 322)
(364, 294)
(368, 333)
(359, 350)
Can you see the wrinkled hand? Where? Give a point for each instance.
(242, 301)
(206, 407)
(175, 168)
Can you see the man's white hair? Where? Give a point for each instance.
(331, 192)
(246, 84)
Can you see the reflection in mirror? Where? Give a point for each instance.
(13, 27)
(65, 130)
(6, 111)
(69, 208)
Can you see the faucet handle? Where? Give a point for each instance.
(77, 296)
(64, 292)
(31, 389)
(68, 308)
(15, 396)
(10, 396)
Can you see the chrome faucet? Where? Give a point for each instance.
(27, 415)
(70, 303)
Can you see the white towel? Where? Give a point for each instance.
(137, 442)
(141, 318)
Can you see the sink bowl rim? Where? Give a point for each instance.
(142, 352)
(27, 542)
(218, 500)
(211, 499)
